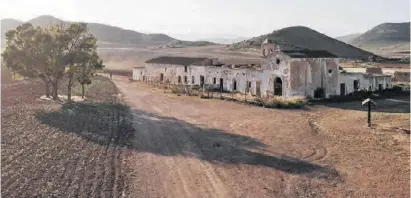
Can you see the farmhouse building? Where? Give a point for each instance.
(285, 70)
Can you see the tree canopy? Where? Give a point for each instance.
(51, 53)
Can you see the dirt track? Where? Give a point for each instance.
(188, 147)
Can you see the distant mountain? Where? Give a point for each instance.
(108, 36)
(348, 38)
(226, 40)
(384, 35)
(7, 24)
(305, 37)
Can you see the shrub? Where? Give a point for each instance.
(286, 103)
(319, 93)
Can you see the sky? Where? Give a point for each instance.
(204, 19)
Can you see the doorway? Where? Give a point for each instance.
(221, 84)
(161, 77)
(257, 88)
(356, 85)
(380, 87)
(234, 85)
(201, 81)
(278, 87)
(342, 89)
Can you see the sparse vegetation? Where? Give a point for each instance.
(284, 103)
(305, 37)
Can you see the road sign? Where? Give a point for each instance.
(369, 100)
(369, 103)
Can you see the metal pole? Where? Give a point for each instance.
(369, 114)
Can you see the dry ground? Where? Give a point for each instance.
(54, 150)
(190, 147)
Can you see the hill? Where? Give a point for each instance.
(7, 24)
(305, 37)
(108, 36)
(348, 38)
(384, 35)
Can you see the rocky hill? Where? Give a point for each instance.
(305, 37)
(348, 38)
(384, 35)
(108, 36)
(7, 24)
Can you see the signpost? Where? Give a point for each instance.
(369, 102)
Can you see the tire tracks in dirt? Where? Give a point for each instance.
(188, 170)
(319, 151)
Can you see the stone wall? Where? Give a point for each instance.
(402, 76)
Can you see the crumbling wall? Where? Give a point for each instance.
(401, 76)
(308, 74)
(373, 70)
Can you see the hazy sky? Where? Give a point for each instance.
(197, 19)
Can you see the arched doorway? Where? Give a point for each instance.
(278, 87)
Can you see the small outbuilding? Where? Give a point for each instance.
(138, 73)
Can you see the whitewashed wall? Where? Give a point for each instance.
(308, 74)
(138, 73)
(241, 76)
(366, 81)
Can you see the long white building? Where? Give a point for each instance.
(284, 71)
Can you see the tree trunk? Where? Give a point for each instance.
(82, 90)
(69, 85)
(46, 86)
(54, 88)
(47, 89)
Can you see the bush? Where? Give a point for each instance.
(286, 103)
(319, 93)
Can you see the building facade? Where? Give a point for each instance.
(284, 71)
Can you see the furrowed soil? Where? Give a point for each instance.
(63, 150)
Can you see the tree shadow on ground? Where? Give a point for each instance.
(107, 124)
(397, 104)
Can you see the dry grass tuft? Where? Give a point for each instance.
(286, 103)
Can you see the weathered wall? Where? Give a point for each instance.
(229, 75)
(373, 70)
(366, 82)
(401, 76)
(308, 74)
(275, 66)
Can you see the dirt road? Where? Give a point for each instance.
(188, 147)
